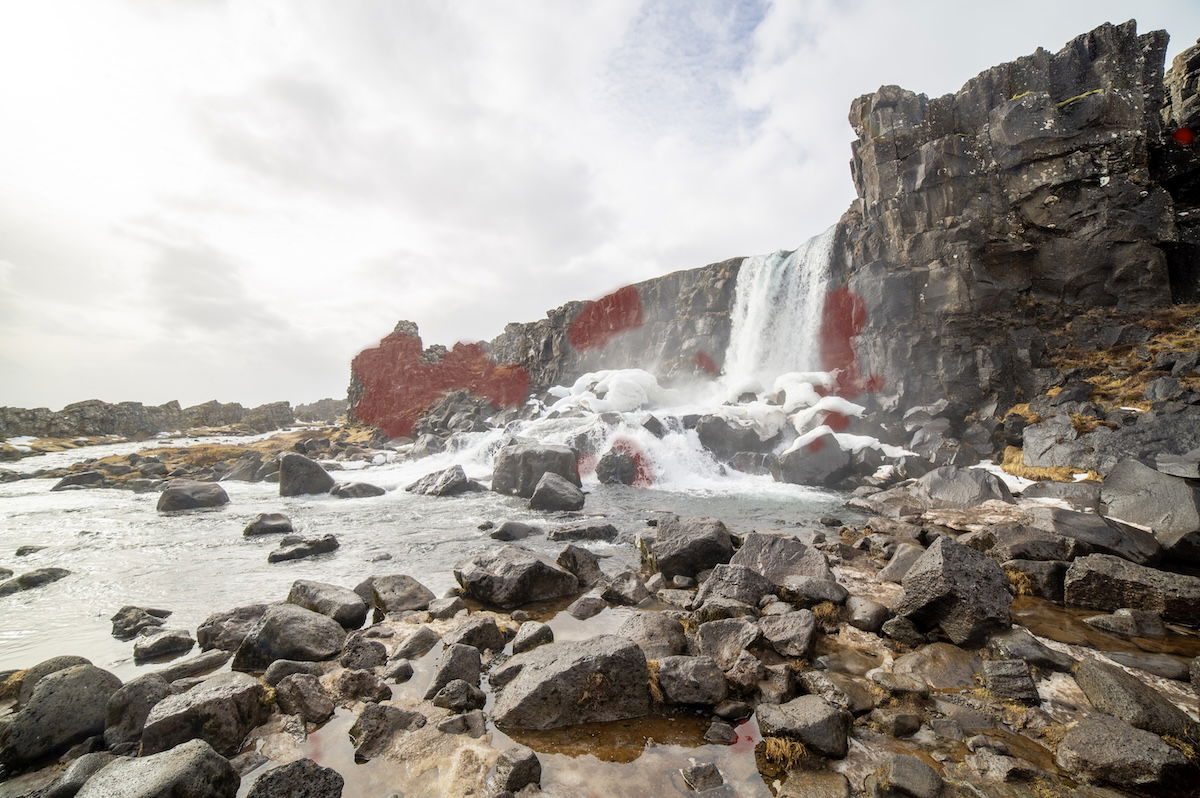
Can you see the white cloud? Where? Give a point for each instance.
(230, 199)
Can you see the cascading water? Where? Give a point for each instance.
(776, 316)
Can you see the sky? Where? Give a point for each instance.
(228, 199)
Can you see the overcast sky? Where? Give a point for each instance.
(225, 199)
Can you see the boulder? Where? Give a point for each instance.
(66, 706)
(733, 583)
(458, 662)
(1018, 643)
(902, 559)
(443, 608)
(950, 487)
(940, 666)
(186, 494)
(957, 589)
(866, 614)
(362, 653)
(1130, 623)
(32, 579)
(84, 479)
(226, 630)
(687, 546)
(356, 490)
(905, 777)
(821, 462)
(691, 680)
(129, 621)
(584, 564)
(514, 530)
(1011, 679)
(554, 493)
(76, 775)
(1104, 582)
(193, 769)
(616, 467)
(358, 685)
(725, 639)
(1104, 750)
(509, 576)
(531, 635)
(295, 548)
(1168, 505)
(625, 588)
(399, 593)
(299, 476)
(517, 468)
(280, 669)
(778, 558)
(516, 768)
(26, 681)
(790, 634)
(659, 635)
(1117, 693)
(561, 684)
(586, 607)
(220, 710)
(1098, 534)
(287, 631)
(480, 632)
(812, 720)
(160, 645)
(447, 482)
(198, 665)
(126, 710)
(584, 531)
(459, 696)
(377, 724)
(417, 644)
(268, 524)
(300, 778)
(342, 604)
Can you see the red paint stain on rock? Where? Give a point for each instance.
(1184, 136)
(398, 385)
(705, 363)
(603, 319)
(643, 473)
(842, 318)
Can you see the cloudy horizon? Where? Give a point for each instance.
(227, 199)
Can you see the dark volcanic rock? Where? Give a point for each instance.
(458, 662)
(298, 549)
(1117, 693)
(193, 769)
(447, 482)
(1104, 582)
(227, 630)
(399, 592)
(687, 546)
(299, 476)
(725, 438)
(562, 684)
(821, 462)
(66, 706)
(287, 631)
(957, 589)
(269, 524)
(127, 708)
(1105, 750)
(657, 634)
(32, 579)
(781, 559)
(581, 562)
(733, 583)
(691, 680)
(343, 605)
(356, 490)
(129, 621)
(301, 778)
(377, 725)
(1168, 505)
(186, 494)
(167, 643)
(510, 576)
(810, 719)
(553, 493)
(519, 467)
(221, 711)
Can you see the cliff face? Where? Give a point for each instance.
(135, 420)
(1044, 187)
(676, 326)
(1027, 196)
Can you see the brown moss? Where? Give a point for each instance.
(783, 753)
(1185, 747)
(828, 616)
(653, 667)
(1019, 581)
(1024, 412)
(1085, 424)
(1013, 462)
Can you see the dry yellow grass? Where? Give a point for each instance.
(652, 666)
(1013, 462)
(827, 616)
(1024, 412)
(1019, 581)
(784, 753)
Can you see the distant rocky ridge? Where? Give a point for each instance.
(1044, 188)
(135, 420)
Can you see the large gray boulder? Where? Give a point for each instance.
(66, 706)
(29, 678)
(339, 603)
(299, 476)
(294, 547)
(127, 708)
(687, 546)
(659, 635)
(791, 634)
(780, 558)
(509, 576)
(226, 630)
(192, 769)
(820, 725)
(518, 467)
(725, 639)
(951, 487)
(1117, 693)
(302, 694)
(287, 631)
(377, 724)
(187, 494)
(1104, 582)
(447, 482)
(691, 680)
(220, 710)
(958, 589)
(554, 493)
(733, 583)
(1104, 750)
(822, 462)
(1169, 506)
(1098, 534)
(561, 684)
(458, 662)
(399, 592)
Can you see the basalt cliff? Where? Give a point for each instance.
(986, 221)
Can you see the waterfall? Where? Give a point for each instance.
(776, 316)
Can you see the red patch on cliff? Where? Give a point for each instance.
(705, 363)
(398, 386)
(1184, 136)
(599, 321)
(842, 318)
